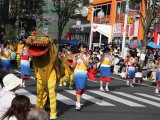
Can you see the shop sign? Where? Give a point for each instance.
(130, 20)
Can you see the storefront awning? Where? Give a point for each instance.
(106, 30)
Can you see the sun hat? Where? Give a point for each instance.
(11, 81)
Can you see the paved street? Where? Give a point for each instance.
(121, 103)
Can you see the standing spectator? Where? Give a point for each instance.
(11, 84)
(105, 70)
(80, 62)
(19, 47)
(25, 64)
(5, 56)
(18, 110)
(37, 114)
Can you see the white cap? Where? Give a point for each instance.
(11, 81)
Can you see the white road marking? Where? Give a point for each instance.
(118, 99)
(148, 96)
(92, 99)
(20, 73)
(31, 96)
(138, 98)
(65, 99)
(92, 81)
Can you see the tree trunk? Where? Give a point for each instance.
(59, 35)
(143, 48)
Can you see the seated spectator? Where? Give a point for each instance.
(151, 67)
(116, 66)
(138, 75)
(11, 84)
(37, 114)
(18, 110)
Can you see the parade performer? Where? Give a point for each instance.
(80, 62)
(19, 47)
(25, 64)
(105, 70)
(48, 69)
(130, 70)
(92, 70)
(67, 62)
(5, 57)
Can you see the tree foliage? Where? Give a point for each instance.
(152, 17)
(27, 11)
(10, 32)
(4, 12)
(65, 10)
(85, 2)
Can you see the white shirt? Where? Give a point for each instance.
(6, 98)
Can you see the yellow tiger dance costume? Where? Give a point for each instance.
(67, 62)
(48, 69)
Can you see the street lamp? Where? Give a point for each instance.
(125, 26)
(84, 13)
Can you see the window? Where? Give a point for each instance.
(118, 8)
(123, 6)
(105, 8)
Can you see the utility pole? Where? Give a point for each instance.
(125, 26)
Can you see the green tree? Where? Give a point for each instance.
(151, 19)
(4, 12)
(85, 2)
(10, 32)
(65, 10)
(27, 11)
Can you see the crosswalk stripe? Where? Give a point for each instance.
(65, 99)
(20, 73)
(118, 99)
(92, 99)
(148, 96)
(31, 96)
(138, 98)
